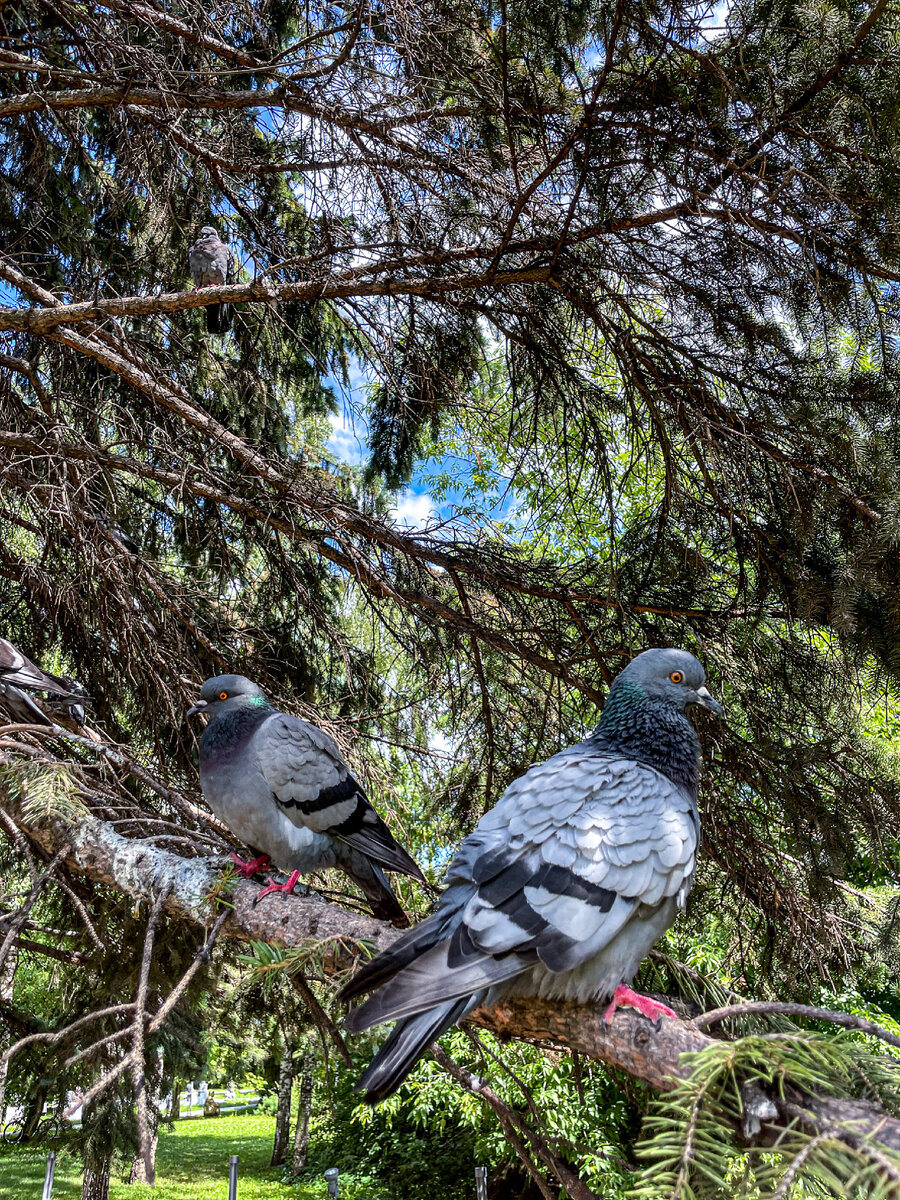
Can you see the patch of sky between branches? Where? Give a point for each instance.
(416, 507)
(714, 21)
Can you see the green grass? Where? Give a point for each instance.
(191, 1164)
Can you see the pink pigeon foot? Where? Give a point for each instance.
(249, 867)
(624, 997)
(288, 886)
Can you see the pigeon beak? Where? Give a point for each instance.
(707, 701)
(198, 707)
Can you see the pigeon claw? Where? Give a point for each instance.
(248, 867)
(624, 997)
(288, 886)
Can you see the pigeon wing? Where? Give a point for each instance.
(313, 786)
(197, 259)
(17, 669)
(576, 849)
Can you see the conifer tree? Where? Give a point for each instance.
(634, 262)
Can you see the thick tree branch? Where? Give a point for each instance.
(142, 870)
(30, 320)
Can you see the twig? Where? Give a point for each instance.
(813, 1013)
(321, 1019)
(17, 923)
(138, 1068)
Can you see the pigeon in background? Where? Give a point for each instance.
(563, 887)
(211, 265)
(100, 517)
(75, 711)
(282, 786)
(17, 672)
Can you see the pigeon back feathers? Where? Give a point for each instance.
(313, 786)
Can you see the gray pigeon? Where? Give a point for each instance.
(212, 264)
(563, 887)
(282, 786)
(100, 517)
(17, 672)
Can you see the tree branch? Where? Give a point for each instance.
(31, 320)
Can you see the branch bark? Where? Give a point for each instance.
(143, 870)
(43, 320)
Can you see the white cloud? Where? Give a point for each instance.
(715, 20)
(413, 509)
(347, 441)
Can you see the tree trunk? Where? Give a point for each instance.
(138, 1172)
(95, 1183)
(301, 1131)
(175, 1110)
(34, 1110)
(283, 1112)
(7, 978)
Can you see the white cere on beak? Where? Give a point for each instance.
(708, 702)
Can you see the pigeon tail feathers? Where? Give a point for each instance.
(218, 318)
(382, 901)
(406, 1044)
(389, 962)
(22, 706)
(428, 982)
(376, 841)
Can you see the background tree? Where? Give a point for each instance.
(622, 282)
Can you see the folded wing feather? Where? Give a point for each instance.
(573, 850)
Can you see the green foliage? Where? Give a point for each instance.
(661, 405)
(692, 1142)
(192, 1160)
(436, 360)
(428, 1138)
(404, 1149)
(43, 790)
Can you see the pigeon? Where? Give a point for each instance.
(212, 264)
(101, 518)
(282, 786)
(562, 888)
(17, 672)
(79, 694)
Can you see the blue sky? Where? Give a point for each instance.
(349, 443)
(414, 506)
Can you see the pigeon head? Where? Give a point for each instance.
(225, 692)
(673, 675)
(209, 231)
(644, 715)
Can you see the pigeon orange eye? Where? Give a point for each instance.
(224, 695)
(676, 677)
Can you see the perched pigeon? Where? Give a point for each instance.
(282, 786)
(101, 518)
(563, 887)
(212, 265)
(79, 696)
(17, 672)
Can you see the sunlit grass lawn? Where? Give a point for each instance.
(191, 1164)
